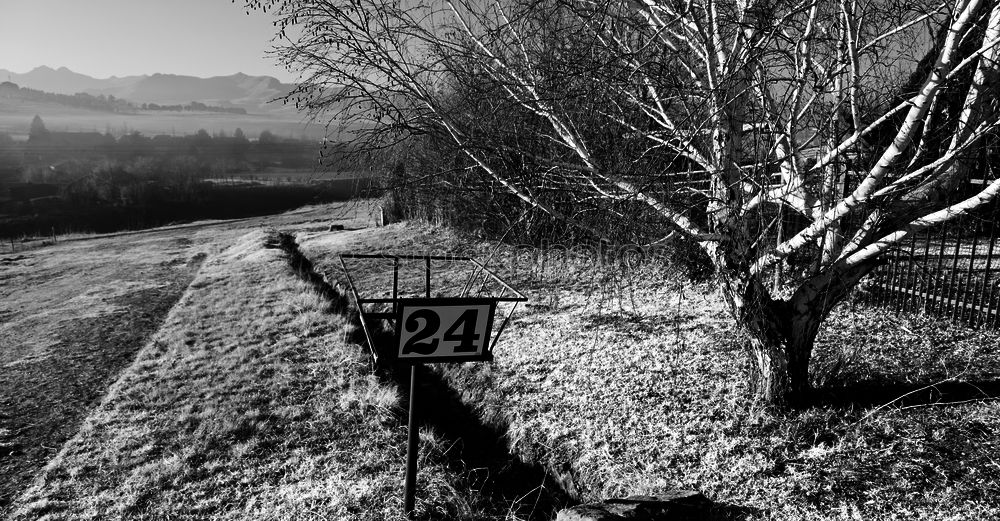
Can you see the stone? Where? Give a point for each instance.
(335, 227)
(590, 512)
(673, 505)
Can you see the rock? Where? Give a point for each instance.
(674, 505)
(335, 227)
(590, 512)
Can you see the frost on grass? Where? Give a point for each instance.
(633, 382)
(247, 404)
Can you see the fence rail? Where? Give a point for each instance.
(951, 270)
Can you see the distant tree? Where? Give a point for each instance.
(8, 89)
(267, 138)
(10, 156)
(239, 145)
(200, 144)
(134, 144)
(38, 131)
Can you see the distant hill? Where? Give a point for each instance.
(63, 80)
(238, 90)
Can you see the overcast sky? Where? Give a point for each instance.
(103, 38)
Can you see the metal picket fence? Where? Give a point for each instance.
(951, 270)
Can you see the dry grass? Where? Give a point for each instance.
(628, 382)
(73, 315)
(247, 404)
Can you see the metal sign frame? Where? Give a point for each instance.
(370, 316)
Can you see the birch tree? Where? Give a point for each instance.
(775, 103)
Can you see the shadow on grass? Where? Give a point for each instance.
(730, 512)
(478, 450)
(878, 393)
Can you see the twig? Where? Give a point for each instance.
(887, 404)
(959, 402)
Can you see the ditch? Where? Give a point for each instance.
(478, 450)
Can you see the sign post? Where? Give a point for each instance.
(433, 330)
(412, 448)
(412, 427)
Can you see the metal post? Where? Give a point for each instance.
(986, 302)
(968, 296)
(395, 282)
(925, 280)
(893, 290)
(413, 434)
(938, 275)
(412, 448)
(910, 279)
(953, 272)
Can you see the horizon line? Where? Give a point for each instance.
(143, 75)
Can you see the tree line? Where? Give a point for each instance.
(88, 181)
(55, 157)
(82, 100)
(106, 103)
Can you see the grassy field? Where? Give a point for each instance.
(251, 398)
(622, 381)
(73, 315)
(241, 406)
(251, 402)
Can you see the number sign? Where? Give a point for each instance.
(444, 329)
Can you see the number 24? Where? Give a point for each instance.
(419, 344)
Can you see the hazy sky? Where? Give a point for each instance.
(104, 38)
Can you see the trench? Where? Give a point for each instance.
(478, 450)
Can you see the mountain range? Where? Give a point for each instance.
(238, 90)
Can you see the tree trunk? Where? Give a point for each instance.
(780, 344)
(770, 378)
(765, 321)
(781, 334)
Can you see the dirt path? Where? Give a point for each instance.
(44, 398)
(73, 315)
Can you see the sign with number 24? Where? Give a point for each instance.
(444, 329)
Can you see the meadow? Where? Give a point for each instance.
(73, 315)
(623, 379)
(254, 396)
(250, 402)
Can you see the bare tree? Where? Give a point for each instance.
(779, 103)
